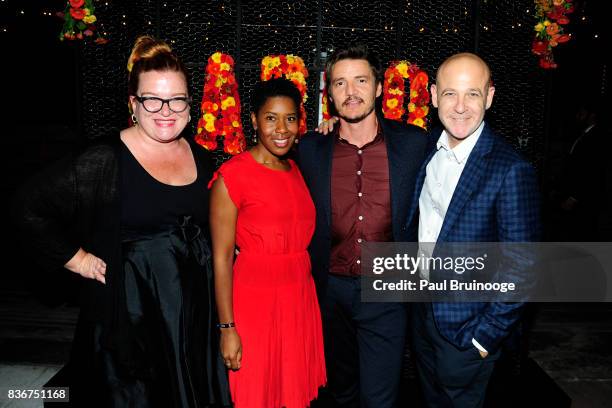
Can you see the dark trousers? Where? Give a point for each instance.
(364, 343)
(449, 377)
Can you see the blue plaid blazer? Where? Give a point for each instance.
(496, 200)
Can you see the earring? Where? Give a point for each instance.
(134, 120)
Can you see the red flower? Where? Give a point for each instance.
(76, 3)
(208, 143)
(420, 79)
(101, 40)
(563, 20)
(214, 69)
(539, 47)
(77, 13)
(563, 38)
(547, 63)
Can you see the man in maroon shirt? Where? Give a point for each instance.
(361, 177)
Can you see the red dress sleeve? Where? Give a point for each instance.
(230, 176)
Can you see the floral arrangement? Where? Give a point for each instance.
(221, 107)
(551, 16)
(291, 67)
(324, 100)
(394, 91)
(79, 19)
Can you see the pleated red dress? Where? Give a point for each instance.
(275, 303)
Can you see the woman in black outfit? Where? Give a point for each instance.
(130, 217)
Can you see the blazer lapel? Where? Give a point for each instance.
(468, 182)
(397, 172)
(420, 180)
(325, 153)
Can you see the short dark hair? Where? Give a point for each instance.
(356, 52)
(272, 88)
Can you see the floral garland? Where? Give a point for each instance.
(79, 19)
(221, 107)
(552, 16)
(324, 100)
(394, 91)
(291, 67)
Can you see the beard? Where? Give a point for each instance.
(358, 118)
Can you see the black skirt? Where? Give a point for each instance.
(165, 354)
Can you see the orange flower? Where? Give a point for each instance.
(552, 29)
(394, 92)
(220, 107)
(291, 67)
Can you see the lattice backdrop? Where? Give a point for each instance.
(421, 31)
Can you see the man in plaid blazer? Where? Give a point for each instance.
(473, 187)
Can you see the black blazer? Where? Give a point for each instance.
(406, 146)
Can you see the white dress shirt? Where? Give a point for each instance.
(441, 178)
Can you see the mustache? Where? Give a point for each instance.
(352, 99)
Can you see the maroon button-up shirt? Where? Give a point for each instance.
(360, 201)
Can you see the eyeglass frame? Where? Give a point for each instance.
(142, 99)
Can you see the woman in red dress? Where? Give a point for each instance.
(271, 338)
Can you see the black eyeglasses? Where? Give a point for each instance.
(153, 104)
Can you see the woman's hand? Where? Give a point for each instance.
(87, 265)
(231, 348)
(327, 126)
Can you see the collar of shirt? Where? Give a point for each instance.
(377, 139)
(460, 152)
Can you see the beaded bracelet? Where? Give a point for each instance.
(226, 325)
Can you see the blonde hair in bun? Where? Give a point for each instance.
(150, 54)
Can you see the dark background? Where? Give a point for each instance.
(58, 93)
(57, 96)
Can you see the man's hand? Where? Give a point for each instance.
(483, 354)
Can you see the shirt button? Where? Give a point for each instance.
(359, 172)
(359, 240)
(360, 217)
(360, 194)
(358, 262)
(359, 151)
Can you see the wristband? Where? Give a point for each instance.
(226, 325)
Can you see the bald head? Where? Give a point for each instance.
(466, 58)
(462, 93)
